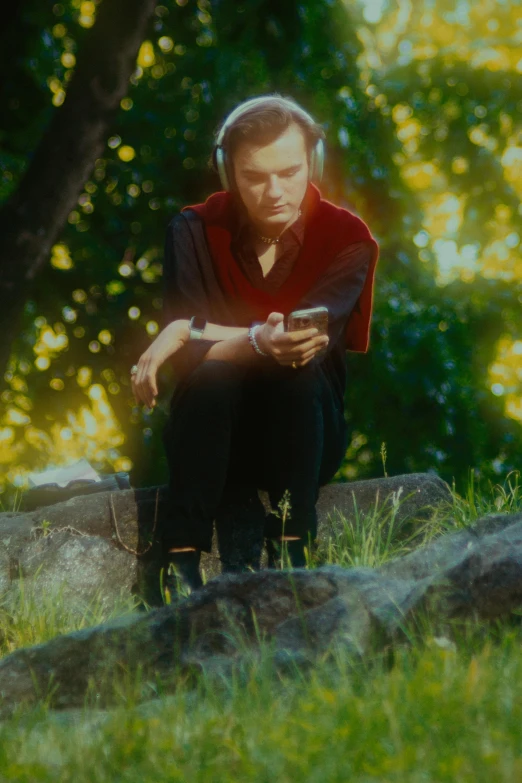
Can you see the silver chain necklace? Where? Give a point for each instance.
(272, 240)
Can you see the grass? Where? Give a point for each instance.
(27, 619)
(445, 707)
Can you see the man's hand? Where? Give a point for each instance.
(289, 347)
(170, 340)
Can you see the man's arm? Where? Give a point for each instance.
(286, 348)
(227, 343)
(338, 289)
(185, 294)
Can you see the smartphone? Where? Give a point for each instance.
(309, 318)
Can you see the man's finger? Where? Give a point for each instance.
(142, 371)
(314, 344)
(284, 339)
(135, 389)
(143, 383)
(149, 394)
(153, 385)
(298, 336)
(142, 392)
(308, 355)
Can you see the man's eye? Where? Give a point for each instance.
(259, 179)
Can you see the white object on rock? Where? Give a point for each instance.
(62, 476)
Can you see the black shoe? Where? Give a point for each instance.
(239, 528)
(182, 572)
(294, 549)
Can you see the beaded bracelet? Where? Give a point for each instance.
(253, 342)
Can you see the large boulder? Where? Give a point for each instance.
(83, 569)
(5, 569)
(401, 501)
(100, 544)
(398, 502)
(90, 547)
(475, 573)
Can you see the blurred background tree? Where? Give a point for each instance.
(422, 109)
(34, 215)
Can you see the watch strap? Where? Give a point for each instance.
(196, 327)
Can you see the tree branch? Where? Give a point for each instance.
(31, 221)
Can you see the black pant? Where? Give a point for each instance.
(235, 429)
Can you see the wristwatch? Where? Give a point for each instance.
(196, 327)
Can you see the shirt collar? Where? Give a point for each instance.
(245, 231)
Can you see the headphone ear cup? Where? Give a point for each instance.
(221, 167)
(320, 159)
(317, 161)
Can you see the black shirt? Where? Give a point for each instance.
(338, 288)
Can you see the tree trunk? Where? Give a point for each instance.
(31, 221)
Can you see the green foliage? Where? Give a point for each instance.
(27, 619)
(423, 388)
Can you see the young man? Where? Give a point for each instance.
(255, 406)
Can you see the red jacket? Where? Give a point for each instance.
(328, 230)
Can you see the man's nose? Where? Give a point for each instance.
(274, 188)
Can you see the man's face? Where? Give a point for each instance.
(272, 179)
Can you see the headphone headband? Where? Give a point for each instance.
(244, 107)
(317, 153)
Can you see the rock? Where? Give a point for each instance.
(15, 530)
(5, 569)
(407, 499)
(209, 630)
(127, 526)
(476, 573)
(127, 515)
(449, 549)
(112, 528)
(484, 581)
(389, 600)
(344, 618)
(77, 570)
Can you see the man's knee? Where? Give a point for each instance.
(210, 394)
(215, 379)
(286, 382)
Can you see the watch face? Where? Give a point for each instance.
(198, 324)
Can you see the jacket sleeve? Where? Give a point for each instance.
(339, 289)
(183, 293)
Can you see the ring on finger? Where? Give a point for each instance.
(294, 365)
(134, 369)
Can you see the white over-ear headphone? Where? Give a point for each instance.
(316, 157)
